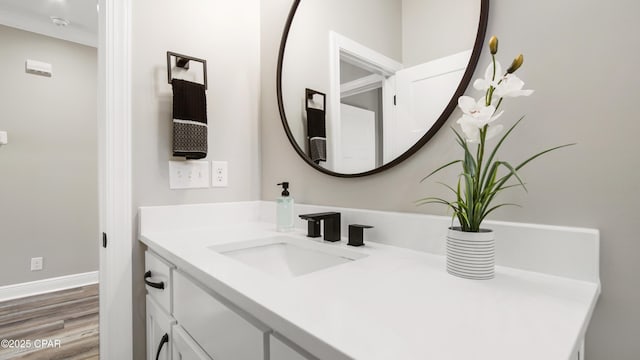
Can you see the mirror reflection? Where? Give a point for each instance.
(364, 80)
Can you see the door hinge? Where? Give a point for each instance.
(394, 100)
(104, 240)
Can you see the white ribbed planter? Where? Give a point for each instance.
(471, 255)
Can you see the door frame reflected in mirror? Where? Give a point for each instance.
(341, 48)
(466, 79)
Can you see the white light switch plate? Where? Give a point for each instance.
(4, 138)
(190, 174)
(219, 174)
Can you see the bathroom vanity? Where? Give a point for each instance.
(223, 284)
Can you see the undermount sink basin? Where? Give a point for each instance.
(285, 256)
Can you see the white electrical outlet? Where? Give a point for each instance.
(36, 264)
(219, 174)
(189, 174)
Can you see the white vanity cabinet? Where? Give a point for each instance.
(216, 327)
(159, 320)
(159, 335)
(186, 321)
(185, 348)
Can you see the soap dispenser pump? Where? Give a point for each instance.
(284, 210)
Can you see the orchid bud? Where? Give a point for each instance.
(493, 45)
(515, 65)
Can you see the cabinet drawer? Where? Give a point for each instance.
(158, 332)
(158, 280)
(184, 348)
(220, 331)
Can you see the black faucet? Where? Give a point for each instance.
(356, 234)
(331, 225)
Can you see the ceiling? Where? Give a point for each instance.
(34, 15)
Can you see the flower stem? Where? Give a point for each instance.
(497, 106)
(493, 59)
(477, 188)
(489, 93)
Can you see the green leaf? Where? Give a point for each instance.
(508, 187)
(513, 172)
(440, 168)
(495, 149)
(429, 200)
(542, 153)
(469, 162)
(495, 208)
(469, 199)
(458, 194)
(489, 183)
(463, 219)
(505, 178)
(447, 186)
(460, 213)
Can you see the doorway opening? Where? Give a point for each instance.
(49, 187)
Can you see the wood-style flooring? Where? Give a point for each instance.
(68, 316)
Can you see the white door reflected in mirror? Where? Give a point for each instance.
(357, 150)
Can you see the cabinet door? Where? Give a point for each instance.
(158, 332)
(184, 348)
(216, 326)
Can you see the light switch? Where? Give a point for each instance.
(4, 138)
(38, 68)
(190, 174)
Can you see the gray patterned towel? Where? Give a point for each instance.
(317, 133)
(318, 149)
(189, 119)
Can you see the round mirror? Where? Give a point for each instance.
(363, 84)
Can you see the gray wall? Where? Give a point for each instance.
(226, 34)
(580, 56)
(456, 21)
(48, 176)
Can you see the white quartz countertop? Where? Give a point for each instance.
(393, 304)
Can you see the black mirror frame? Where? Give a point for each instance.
(464, 83)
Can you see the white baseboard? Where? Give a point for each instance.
(17, 291)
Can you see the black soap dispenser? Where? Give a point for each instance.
(284, 210)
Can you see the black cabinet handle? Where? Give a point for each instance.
(159, 285)
(165, 339)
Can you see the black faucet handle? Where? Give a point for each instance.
(356, 234)
(319, 216)
(313, 227)
(331, 225)
(313, 223)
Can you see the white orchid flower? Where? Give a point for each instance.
(511, 86)
(484, 84)
(471, 130)
(478, 110)
(475, 116)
